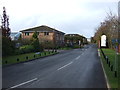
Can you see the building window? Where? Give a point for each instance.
(26, 34)
(46, 33)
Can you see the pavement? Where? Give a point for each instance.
(77, 68)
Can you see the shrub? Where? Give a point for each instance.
(17, 52)
(35, 42)
(76, 46)
(8, 46)
(48, 45)
(36, 45)
(26, 49)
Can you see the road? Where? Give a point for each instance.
(77, 68)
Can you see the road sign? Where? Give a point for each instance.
(103, 41)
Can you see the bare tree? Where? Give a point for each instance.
(109, 27)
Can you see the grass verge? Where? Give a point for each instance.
(24, 57)
(111, 54)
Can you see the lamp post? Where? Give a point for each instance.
(118, 26)
(118, 41)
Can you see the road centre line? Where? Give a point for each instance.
(82, 54)
(98, 53)
(77, 57)
(64, 66)
(23, 83)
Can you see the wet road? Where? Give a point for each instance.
(78, 68)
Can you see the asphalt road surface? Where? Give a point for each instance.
(77, 68)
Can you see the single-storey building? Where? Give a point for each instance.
(75, 39)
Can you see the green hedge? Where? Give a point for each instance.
(26, 49)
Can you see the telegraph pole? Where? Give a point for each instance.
(118, 43)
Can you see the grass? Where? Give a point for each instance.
(13, 59)
(111, 54)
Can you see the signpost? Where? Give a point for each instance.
(79, 43)
(118, 43)
(103, 41)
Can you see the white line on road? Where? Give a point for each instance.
(98, 53)
(77, 57)
(64, 66)
(82, 54)
(23, 83)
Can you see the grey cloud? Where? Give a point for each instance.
(84, 23)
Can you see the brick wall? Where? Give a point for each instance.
(43, 37)
(52, 37)
(27, 37)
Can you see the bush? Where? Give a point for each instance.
(26, 49)
(35, 42)
(17, 52)
(25, 41)
(76, 46)
(8, 46)
(36, 45)
(47, 45)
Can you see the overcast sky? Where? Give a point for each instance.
(70, 16)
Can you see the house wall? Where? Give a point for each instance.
(41, 36)
(27, 37)
(55, 38)
(59, 39)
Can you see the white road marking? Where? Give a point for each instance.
(98, 53)
(82, 54)
(24, 83)
(77, 57)
(64, 66)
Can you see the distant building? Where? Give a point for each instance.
(15, 35)
(46, 35)
(75, 39)
(89, 39)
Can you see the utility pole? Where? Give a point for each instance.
(118, 26)
(118, 29)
